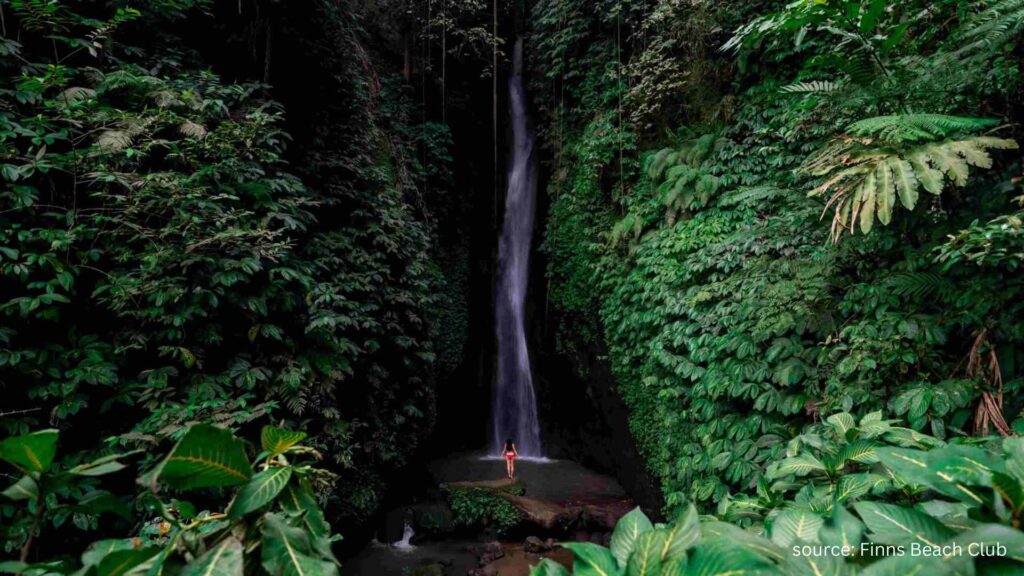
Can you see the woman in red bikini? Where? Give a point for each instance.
(510, 458)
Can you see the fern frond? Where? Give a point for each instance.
(862, 182)
(917, 127)
(919, 285)
(813, 87)
(992, 27)
(751, 195)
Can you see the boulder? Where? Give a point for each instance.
(492, 551)
(535, 545)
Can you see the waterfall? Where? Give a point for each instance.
(515, 406)
(407, 534)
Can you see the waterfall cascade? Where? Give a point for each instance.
(514, 403)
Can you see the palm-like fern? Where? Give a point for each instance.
(993, 26)
(916, 127)
(889, 157)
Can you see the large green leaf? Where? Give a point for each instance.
(841, 422)
(790, 526)
(276, 441)
(851, 486)
(723, 558)
(287, 550)
(960, 562)
(100, 549)
(954, 471)
(626, 532)
(121, 562)
(841, 529)
(224, 559)
(298, 499)
(682, 534)
(815, 565)
(548, 567)
(646, 557)
(259, 491)
(24, 489)
(206, 457)
(31, 452)
(102, 466)
(891, 524)
(593, 560)
(799, 465)
(736, 536)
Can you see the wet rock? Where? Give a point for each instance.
(485, 571)
(535, 545)
(492, 551)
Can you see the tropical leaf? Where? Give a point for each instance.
(863, 178)
(841, 422)
(646, 559)
(298, 500)
(860, 451)
(224, 559)
(841, 529)
(277, 441)
(791, 526)
(32, 452)
(799, 465)
(852, 486)
(548, 567)
(593, 560)
(891, 524)
(287, 550)
(683, 533)
(723, 558)
(24, 489)
(122, 561)
(259, 491)
(627, 531)
(206, 457)
(738, 537)
(954, 471)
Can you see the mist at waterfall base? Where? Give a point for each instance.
(514, 408)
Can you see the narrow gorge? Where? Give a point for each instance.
(511, 287)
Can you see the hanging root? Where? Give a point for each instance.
(983, 364)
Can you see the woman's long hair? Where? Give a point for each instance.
(508, 446)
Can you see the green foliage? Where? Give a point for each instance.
(165, 259)
(731, 325)
(273, 521)
(483, 508)
(866, 171)
(963, 496)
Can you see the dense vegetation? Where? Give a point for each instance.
(974, 532)
(791, 209)
(794, 229)
(165, 260)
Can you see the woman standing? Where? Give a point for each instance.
(510, 458)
